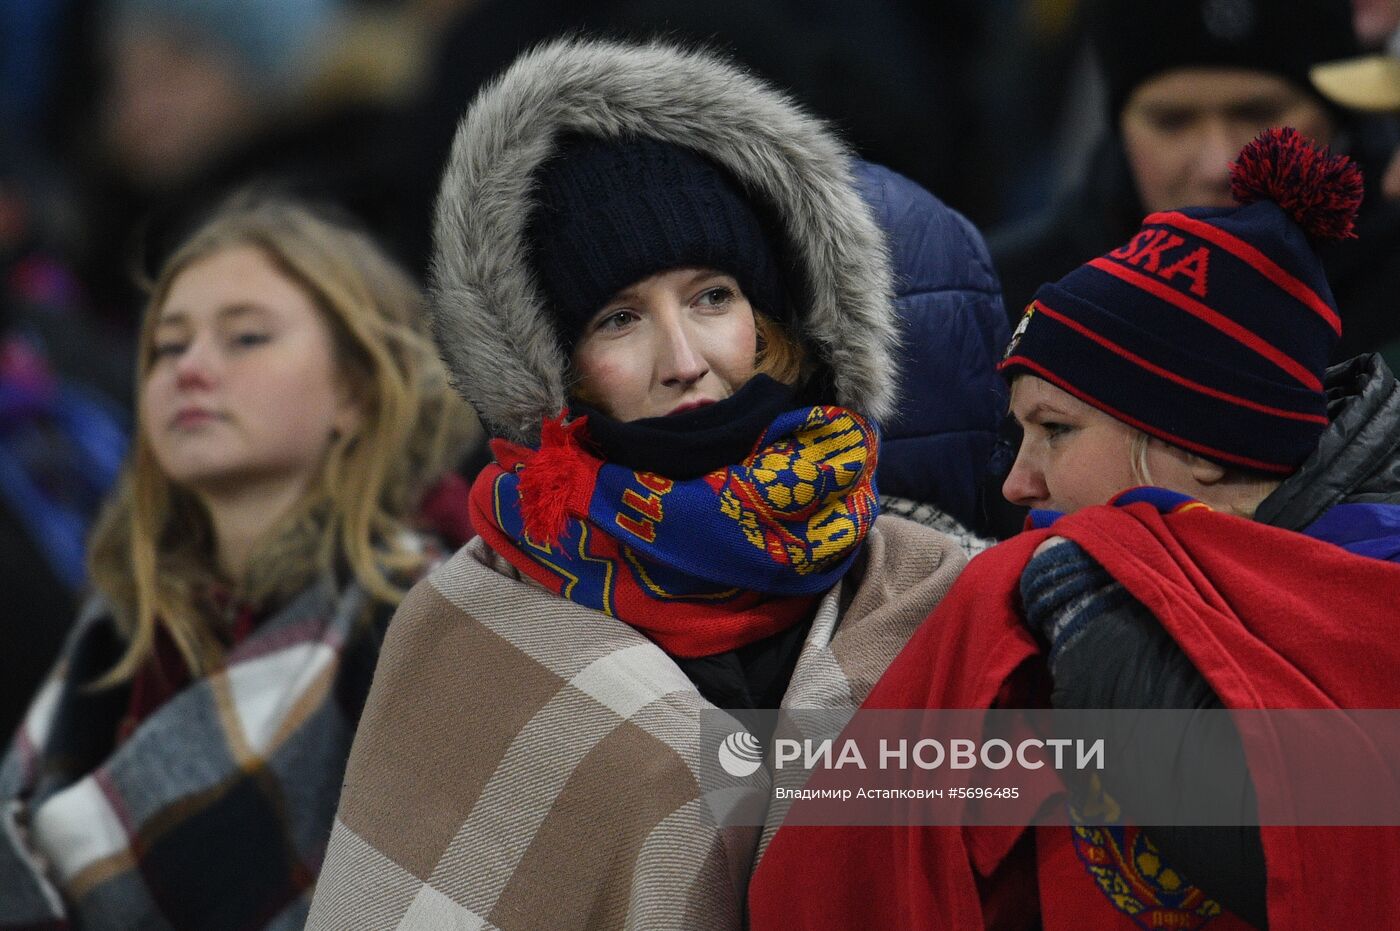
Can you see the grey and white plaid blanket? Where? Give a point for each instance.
(524, 762)
(215, 813)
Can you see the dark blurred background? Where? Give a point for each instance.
(120, 115)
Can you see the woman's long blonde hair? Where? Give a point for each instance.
(152, 552)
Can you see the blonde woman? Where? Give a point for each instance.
(181, 766)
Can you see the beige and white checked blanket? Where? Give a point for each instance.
(527, 763)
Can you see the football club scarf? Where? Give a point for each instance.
(703, 565)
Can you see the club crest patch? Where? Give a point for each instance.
(1020, 331)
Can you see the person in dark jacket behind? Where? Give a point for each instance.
(1187, 88)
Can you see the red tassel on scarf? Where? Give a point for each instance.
(556, 480)
(1319, 191)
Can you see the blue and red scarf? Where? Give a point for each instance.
(701, 566)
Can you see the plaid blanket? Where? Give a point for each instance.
(215, 813)
(525, 762)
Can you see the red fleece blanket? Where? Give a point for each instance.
(1272, 619)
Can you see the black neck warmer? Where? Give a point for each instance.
(692, 444)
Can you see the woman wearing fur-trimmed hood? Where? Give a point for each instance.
(658, 284)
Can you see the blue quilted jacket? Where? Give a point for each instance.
(938, 447)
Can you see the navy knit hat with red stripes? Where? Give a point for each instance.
(1211, 328)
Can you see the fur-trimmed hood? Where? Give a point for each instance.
(488, 313)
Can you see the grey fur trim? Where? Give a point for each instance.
(488, 318)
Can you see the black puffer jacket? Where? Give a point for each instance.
(1358, 458)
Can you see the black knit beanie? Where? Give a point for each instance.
(1137, 40)
(1211, 328)
(609, 213)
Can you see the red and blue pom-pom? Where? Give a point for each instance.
(1321, 192)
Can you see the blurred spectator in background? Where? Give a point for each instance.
(181, 766)
(64, 377)
(61, 445)
(62, 438)
(197, 97)
(1371, 83)
(1186, 88)
(1377, 24)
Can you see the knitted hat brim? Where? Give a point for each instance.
(1163, 390)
